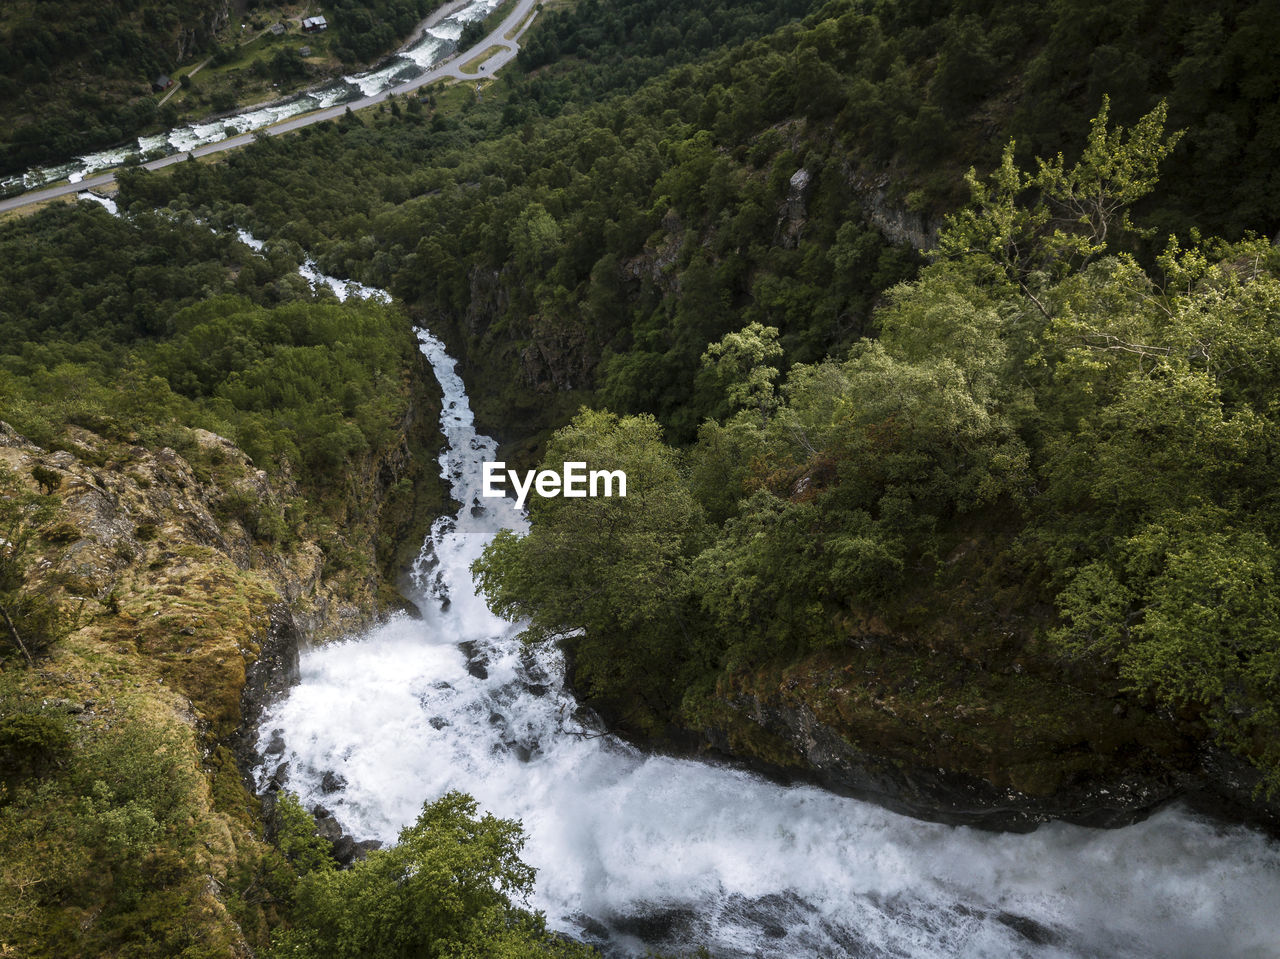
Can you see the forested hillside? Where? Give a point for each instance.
(76, 75)
(594, 255)
(937, 342)
(1048, 460)
(602, 250)
(145, 326)
(199, 456)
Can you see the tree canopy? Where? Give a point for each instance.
(1112, 426)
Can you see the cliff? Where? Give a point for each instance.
(183, 603)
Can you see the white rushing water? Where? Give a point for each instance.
(342, 289)
(427, 51)
(637, 851)
(308, 270)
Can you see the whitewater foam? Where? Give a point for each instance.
(635, 851)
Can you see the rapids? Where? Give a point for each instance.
(637, 851)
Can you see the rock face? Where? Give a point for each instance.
(187, 611)
(269, 675)
(163, 559)
(824, 755)
(892, 218)
(1001, 746)
(791, 218)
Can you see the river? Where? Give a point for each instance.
(637, 851)
(434, 40)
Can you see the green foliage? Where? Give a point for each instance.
(32, 743)
(47, 48)
(597, 47)
(30, 619)
(132, 328)
(738, 361)
(1167, 571)
(296, 838)
(101, 852)
(451, 886)
(1037, 227)
(596, 255)
(602, 252)
(1121, 423)
(614, 567)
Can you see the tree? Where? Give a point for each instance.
(534, 237)
(1032, 227)
(1162, 482)
(740, 361)
(608, 576)
(450, 886)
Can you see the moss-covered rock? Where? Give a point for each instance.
(179, 606)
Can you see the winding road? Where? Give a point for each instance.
(450, 69)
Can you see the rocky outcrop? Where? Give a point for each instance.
(267, 677)
(800, 745)
(190, 580)
(791, 218)
(1231, 788)
(892, 217)
(169, 556)
(930, 733)
(655, 265)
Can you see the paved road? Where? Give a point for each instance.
(450, 69)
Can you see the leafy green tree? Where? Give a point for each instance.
(296, 837)
(535, 236)
(450, 886)
(1163, 485)
(740, 362)
(608, 576)
(1033, 227)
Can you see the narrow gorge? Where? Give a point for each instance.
(638, 851)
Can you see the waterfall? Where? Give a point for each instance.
(637, 851)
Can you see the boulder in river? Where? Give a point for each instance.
(327, 825)
(331, 782)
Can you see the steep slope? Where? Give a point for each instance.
(594, 257)
(156, 581)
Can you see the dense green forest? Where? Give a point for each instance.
(77, 75)
(367, 29)
(602, 250)
(1109, 429)
(584, 235)
(147, 326)
(687, 243)
(126, 335)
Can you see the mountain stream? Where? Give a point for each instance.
(637, 851)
